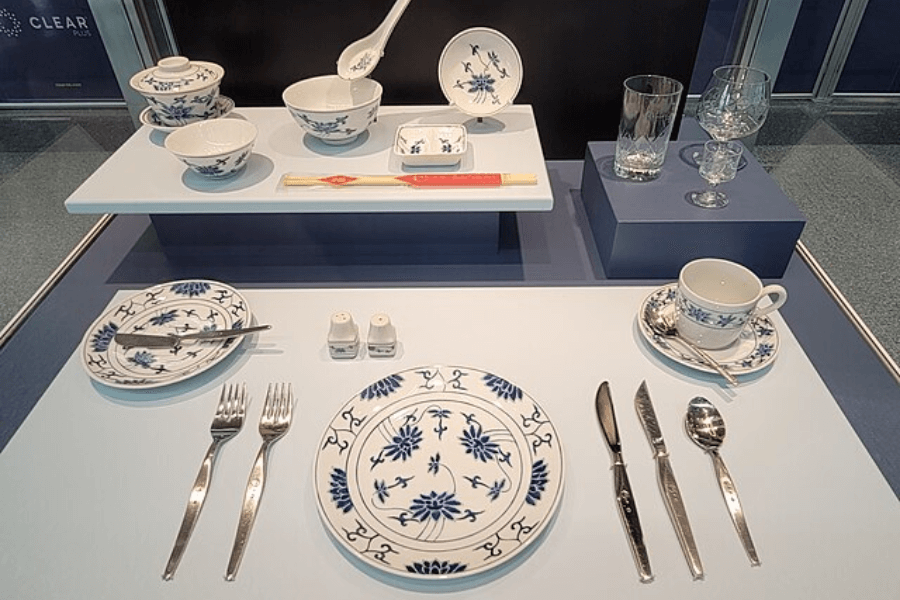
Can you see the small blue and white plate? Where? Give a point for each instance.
(438, 473)
(176, 307)
(480, 71)
(755, 349)
(222, 108)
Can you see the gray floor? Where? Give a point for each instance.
(840, 163)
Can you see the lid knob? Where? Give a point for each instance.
(174, 64)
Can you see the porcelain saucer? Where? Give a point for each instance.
(480, 71)
(756, 349)
(224, 106)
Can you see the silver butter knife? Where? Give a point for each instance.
(146, 340)
(624, 498)
(666, 477)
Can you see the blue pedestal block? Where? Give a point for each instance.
(650, 230)
(336, 233)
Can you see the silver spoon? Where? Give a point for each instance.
(705, 425)
(663, 323)
(359, 58)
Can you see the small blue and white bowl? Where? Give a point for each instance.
(218, 148)
(179, 91)
(332, 109)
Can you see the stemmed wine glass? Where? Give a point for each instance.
(735, 103)
(718, 165)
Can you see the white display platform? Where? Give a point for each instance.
(143, 177)
(97, 479)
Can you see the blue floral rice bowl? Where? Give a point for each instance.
(180, 91)
(216, 148)
(332, 109)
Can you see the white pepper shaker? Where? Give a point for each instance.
(382, 339)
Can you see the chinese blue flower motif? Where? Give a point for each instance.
(327, 127)
(435, 506)
(142, 358)
(697, 313)
(539, 480)
(190, 288)
(381, 490)
(502, 388)
(479, 444)
(163, 318)
(435, 567)
(101, 339)
(765, 350)
(340, 493)
(177, 112)
(725, 320)
(382, 388)
(402, 445)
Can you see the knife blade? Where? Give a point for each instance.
(624, 497)
(149, 340)
(668, 487)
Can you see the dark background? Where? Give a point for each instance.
(575, 53)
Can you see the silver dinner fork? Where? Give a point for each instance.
(226, 424)
(273, 424)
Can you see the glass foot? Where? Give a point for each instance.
(707, 199)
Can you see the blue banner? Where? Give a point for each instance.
(51, 51)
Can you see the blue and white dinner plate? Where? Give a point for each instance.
(176, 307)
(439, 472)
(480, 71)
(755, 349)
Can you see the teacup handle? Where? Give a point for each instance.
(776, 293)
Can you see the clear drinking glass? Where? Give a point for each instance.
(718, 164)
(649, 105)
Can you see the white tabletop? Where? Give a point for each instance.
(96, 480)
(143, 177)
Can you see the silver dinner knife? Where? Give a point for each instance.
(147, 340)
(666, 477)
(624, 498)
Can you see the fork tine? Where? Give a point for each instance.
(242, 408)
(289, 401)
(223, 402)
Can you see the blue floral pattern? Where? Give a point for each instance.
(434, 504)
(435, 567)
(404, 443)
(382, 388)
(502, 388)
(340, 492)
(479, 444)
(103, 337)
(539, 479)
(191, 288)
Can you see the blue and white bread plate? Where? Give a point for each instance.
(755, 349)
(439, 473)
(178, 307)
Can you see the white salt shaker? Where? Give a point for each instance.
(382, 339)
(343, 336)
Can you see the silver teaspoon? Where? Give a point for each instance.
(663, 323)
(705, 425)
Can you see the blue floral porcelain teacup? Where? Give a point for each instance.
(716, 298)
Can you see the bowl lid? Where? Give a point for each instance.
(177, 75)
(480, 71)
